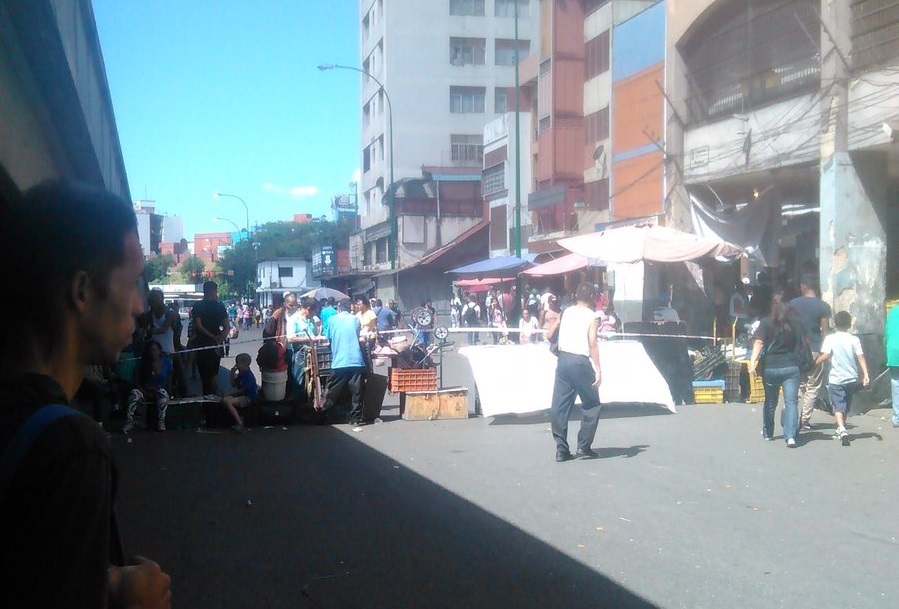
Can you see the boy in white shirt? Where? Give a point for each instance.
(844, 350)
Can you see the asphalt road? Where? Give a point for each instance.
(691, 510)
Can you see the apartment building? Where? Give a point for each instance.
(447, 69)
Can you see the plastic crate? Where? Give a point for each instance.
(756, 389)
(733, 388)
(323, 358)
(708, 392)
(402, 380)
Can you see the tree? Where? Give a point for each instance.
(156, 269)
(191, 270)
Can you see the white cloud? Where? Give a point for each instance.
(297, 192)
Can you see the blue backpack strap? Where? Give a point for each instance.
(25, 437)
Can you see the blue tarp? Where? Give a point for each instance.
(501, 266)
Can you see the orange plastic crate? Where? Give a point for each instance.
(402, 380)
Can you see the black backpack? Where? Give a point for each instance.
(471, 316)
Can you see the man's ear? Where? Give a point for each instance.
(78, 290)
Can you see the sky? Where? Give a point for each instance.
(225, 96)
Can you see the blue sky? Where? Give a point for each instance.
(226, 96)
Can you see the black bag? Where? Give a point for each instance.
(470, 317)
(804, 354)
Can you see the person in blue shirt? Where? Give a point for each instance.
(347, 363)
(244, 381)
(327, 311)
(384, 315)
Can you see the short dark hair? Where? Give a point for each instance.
(243, 358)
(842, 320)
(585, 292)
(344, 304)
(210, 287)
(56, 230)
(809, 281)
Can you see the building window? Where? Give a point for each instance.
(499, 223)
(465, 100)
(506, 8)
(493, 180)
(597, 53)
(285, 271)
(366, 159)
(596, 195)
(748, 55)
(504, 51)
(592, 5)
(381, 250)
(467, 148)
(501, 100)
(597, 126)
(467, 7)
(468, 51)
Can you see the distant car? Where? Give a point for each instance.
(184, 312)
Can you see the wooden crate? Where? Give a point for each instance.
(450, 403)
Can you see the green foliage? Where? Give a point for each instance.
(157, 269)
(236, 268)
(191, 271)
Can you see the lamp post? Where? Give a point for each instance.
(246, 208)
(231, 222)
(517, 145)
(391, 197)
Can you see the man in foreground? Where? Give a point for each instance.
(578, 374)
(61, 545)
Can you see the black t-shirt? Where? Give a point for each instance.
(213, 315)
(811, 311)
(779, 345)
(57, 524)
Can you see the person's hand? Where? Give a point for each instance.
(598, 379)
(751, 366)
(141, 586)
(865, 380)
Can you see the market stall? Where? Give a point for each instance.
(517, 379)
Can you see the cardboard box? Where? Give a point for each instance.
(449, 403)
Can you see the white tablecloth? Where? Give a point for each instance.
(519, 378)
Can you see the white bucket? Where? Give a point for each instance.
(274, 385)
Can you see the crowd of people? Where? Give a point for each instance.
(531, 315)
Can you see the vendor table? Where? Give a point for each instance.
(519, 378)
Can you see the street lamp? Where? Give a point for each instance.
(231, 222)
(246, 208)
(391, 198)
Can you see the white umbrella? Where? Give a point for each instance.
(656, 243)
(323, 292)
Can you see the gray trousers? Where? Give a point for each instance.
(574, 378)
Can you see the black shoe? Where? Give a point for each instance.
(586, 453)
(562, 456)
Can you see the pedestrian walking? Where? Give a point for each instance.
(578, 374)
(779, 335)
(814, 314)
(848, 370)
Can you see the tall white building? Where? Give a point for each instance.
(448, 70)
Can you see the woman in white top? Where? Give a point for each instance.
(527, 325)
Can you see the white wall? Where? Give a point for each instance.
(417, 74)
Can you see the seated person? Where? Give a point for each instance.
(243, 380)
(153, 383)
(272, 356)
(608, 319)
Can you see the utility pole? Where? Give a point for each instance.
(517, 144)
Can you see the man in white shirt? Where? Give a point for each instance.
(578, 374)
